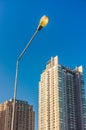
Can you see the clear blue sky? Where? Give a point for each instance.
(65, 36)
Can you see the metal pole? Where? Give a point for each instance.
(16, 77)
(14, 100)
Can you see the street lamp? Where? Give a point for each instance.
(42, 23)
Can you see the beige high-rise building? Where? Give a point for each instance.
(24, 116)
(62, 102)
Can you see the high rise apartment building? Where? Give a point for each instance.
(62, 102)
(24, 116)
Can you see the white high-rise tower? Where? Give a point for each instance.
(62, 103)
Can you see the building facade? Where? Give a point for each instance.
(24, 116)
(62, 102)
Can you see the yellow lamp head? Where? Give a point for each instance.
(43, 22)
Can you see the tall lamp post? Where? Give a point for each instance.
(42, 23)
